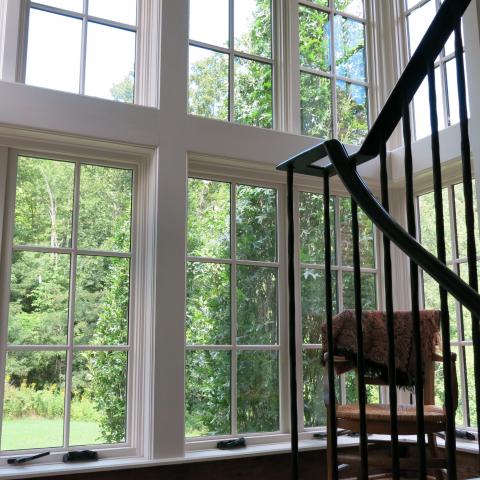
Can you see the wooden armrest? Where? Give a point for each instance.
(439, 358)
(336, 358)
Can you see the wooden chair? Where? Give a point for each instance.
(378, 422)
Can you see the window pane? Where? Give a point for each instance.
(39, 285)
(105, 208)
(353, 7)
(208, 304)
(314, 38)
(110, 65)
(369, 291)
(258, 395)
(124, 11)
(312, 246)
(253, 93)
(253, 27)
(102, 300)
(314, 410)
(207, 393)
(99, 398)
(461, 227)
(466, 315)
(208, 83)
(350, 48)
(34, 400)
(365, 226)
(412, 3)
(316, 106)
(313, 303)
(209, 21)
(256, 305)
(453, 106)
(418, 22)
(44, 202)
(352, 113)
(351, 387)
(208, 218)
(322, 3)
(73, 5)
(53, 55)
(256, 217)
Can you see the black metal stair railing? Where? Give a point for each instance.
(396, 110)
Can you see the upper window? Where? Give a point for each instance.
(67, 301)
(85, 47)
(230, 61)
(333, 70)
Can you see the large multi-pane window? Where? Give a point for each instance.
(79, 46)
(65, 305)
(312, 292)
(232, 325)
(231, 61)
(460, 318)
(333, 69)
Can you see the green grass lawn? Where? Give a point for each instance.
(34, 432)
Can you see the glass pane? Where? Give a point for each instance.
(256, 223)
(105, 208)
(461, 226)
(253, 27)
(351, 389)
(253, 93)
(208, 83)
(470, 374)
(365, 226)
(99, 398)
(453, 107)
(207, 393)
(412, 3)
(72, 5)
(38, 310)
(208, 304)
(466, 315)
(258, 392)
(123, 11)
(256, 305)
(43, 202)
(53, 60)
(110, 64)
(314, 38)
(102, 300)
(209, 21)
(350, 48)
(316, 106)
(352, 112)
(322, 3)
(34, 400)
(314, 410)
(418, 22)
(353, 7)
(208, 218)
(312, 249)
(369, 291)
(313, 303)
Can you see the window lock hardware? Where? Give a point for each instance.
(26, 458)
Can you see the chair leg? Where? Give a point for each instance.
(432, 446)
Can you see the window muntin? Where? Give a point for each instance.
(65, 378)
(231, 61)
(460, 319)
(312, 288)
(232, 326)
(88, 52)
(333, 70)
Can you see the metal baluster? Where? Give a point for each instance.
(332, 417)
(469, 211)
(442, 256)
(362, 396)
(291, 326)
(407, 136)
(387, 263)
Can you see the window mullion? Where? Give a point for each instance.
(83, 53)
(231, 72)
(233, 307)
(333, 80)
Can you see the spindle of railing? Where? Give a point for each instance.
(469, 210)
(387, 264)
(331, 398)
(362, 396)
(407, 137)
(442, 256)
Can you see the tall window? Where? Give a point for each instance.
(232, 327)
(231, 61)
(65, 306)
(333, 70)
(460, 318)
(419, 15)
(85, 47)
(312, 288)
